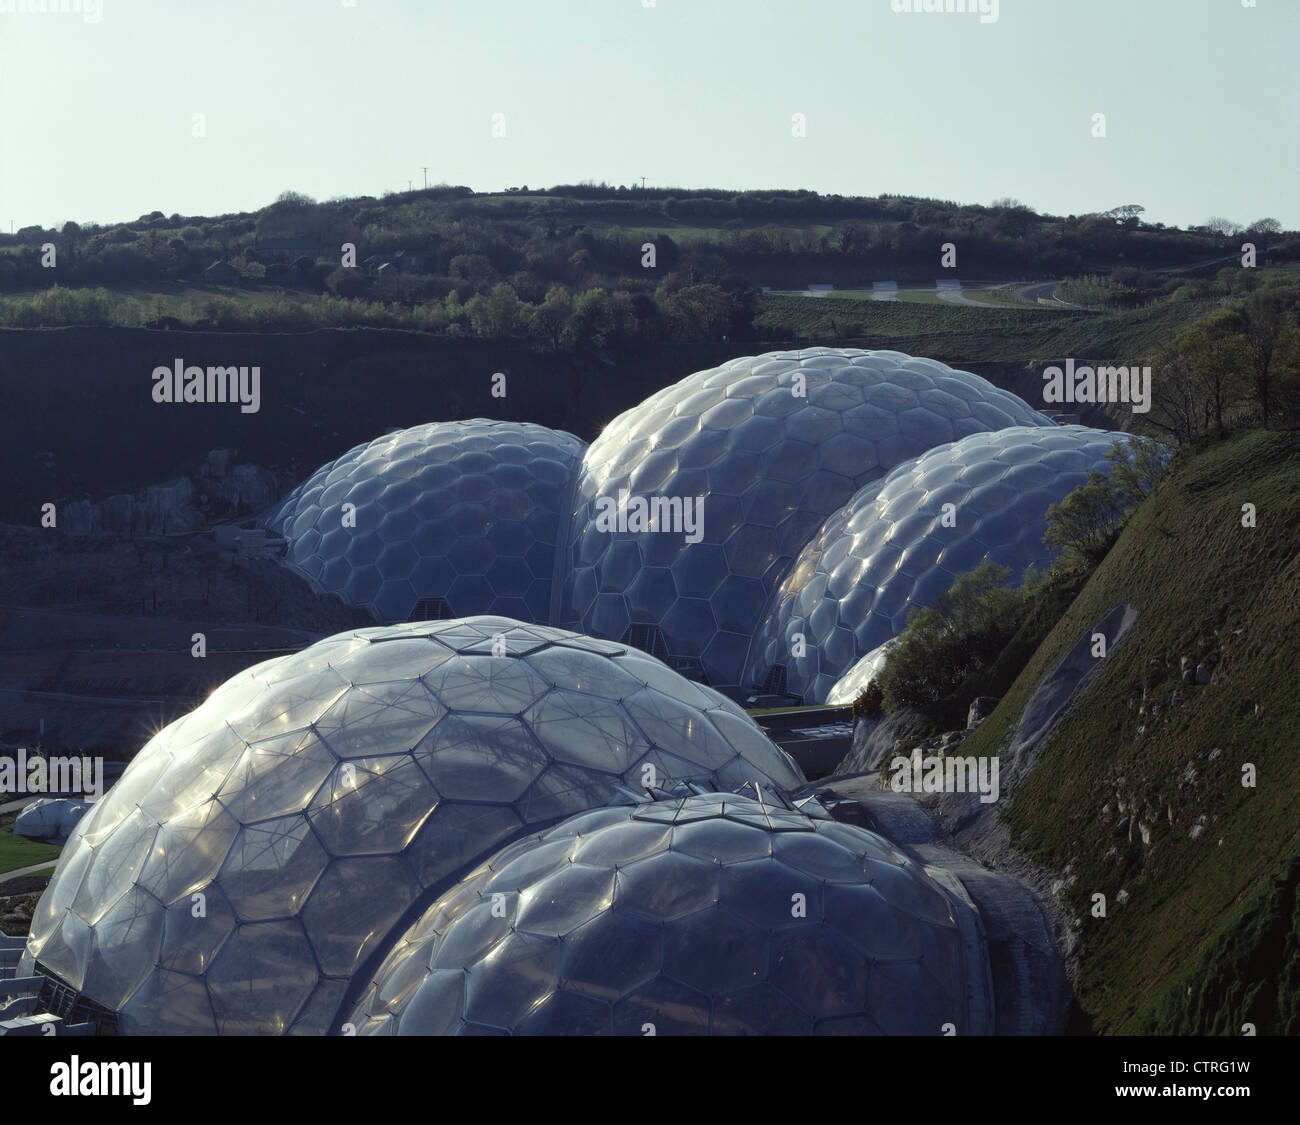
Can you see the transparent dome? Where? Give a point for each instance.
(309, 802)
(891, 549)
(470, 513)
(854, 682)
(718, 913)
(774, 444)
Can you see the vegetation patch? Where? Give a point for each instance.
(18, 851)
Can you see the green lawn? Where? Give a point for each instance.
(17, 851)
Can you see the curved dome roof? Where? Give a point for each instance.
(854, 682)
(469, 512)
(887, 551)
(683, 914)
(774, 443)
(313, 798)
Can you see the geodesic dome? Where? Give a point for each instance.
(854, 682)
(470, 513)
(771, 464)
(313, 798)
(887, 551)
(684, 914)
(48, 818)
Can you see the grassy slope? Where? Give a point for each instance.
(1187, 563)
(1250, 973)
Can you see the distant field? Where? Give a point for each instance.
(1002, 298)
(175, 293)
(1092, 293)
(1022, 332)
(685, 233)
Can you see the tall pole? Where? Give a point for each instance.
(426, 177)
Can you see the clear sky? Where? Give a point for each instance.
(334, 98)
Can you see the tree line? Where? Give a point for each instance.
(585, 236)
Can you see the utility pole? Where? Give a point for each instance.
(410, 185)
(643, 183)
(426, 177)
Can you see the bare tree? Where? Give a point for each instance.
(1217, 224)
(1199, 377)
(1262, 319)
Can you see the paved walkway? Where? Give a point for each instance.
(34, 869)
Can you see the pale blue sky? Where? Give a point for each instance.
(1202, 101)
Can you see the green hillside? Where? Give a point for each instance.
(584, 267)
(1199, 914)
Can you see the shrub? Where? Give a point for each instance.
(1085, 525)
(498, 313)
(869, 704)
(343, 282)
(942, 644)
